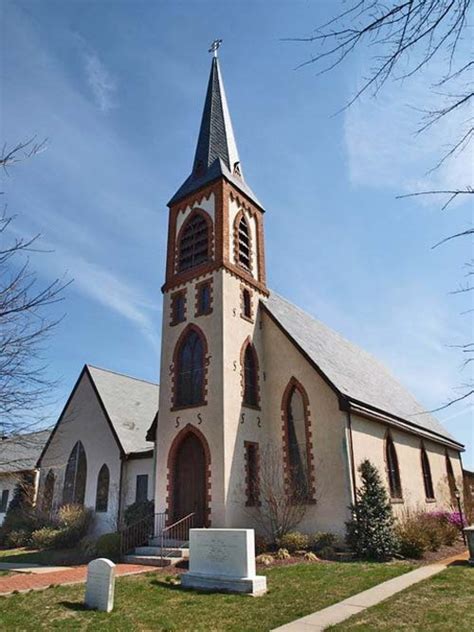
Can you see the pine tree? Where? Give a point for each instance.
(370, 533)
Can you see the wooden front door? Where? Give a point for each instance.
(190, 481)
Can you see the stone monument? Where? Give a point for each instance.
(223, 560)
(100, 584)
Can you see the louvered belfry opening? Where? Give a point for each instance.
(244, 243)
(194, 244)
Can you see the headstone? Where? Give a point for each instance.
(100, 584)
(223, 560)
(469, 532)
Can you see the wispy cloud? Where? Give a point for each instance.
(100, 82)
(385, 150)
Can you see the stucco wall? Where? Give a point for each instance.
(84, 421)
(369, 443)
(132, 468)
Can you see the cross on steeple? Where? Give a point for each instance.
(215, 46)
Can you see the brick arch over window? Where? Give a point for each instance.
(393, 468)
(183, 434)
(249, 373)
(242, 241)
(194, 244)
(304, 490)
(178, 377)
(74, 489)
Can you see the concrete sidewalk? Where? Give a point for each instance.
(338, 612)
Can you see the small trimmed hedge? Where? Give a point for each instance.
(108, 545)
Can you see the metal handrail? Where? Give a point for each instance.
(179, 530)
(137, 533)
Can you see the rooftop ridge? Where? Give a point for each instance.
(130, 377)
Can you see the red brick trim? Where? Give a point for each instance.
(294, 384)
(247, 343)
(256, 501)
(173, 298)
(451, 478)
(179, 438)
(198, 286)
(174, 367)
(210, 243)
(237, 221)
(428, 499)
(243, 289)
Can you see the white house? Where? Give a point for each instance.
(18, 457)
(243, 369)
(97, 454)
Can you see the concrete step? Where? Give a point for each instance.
(156, 551)
(148, 560)
(168, 542)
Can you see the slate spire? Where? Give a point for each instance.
(216, 151)
(216, 136)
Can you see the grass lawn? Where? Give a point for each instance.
(64, 557)
(147, 602)
(444, 602)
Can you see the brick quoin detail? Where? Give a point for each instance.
(295, 384)
(248, 342)
(172, 454)
(223, 193)
(174, 367)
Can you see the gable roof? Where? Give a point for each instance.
(352, 372)
(130, 404)
(21, 452)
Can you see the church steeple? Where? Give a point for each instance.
(216, 151)
(216, 137)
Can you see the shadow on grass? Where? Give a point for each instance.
(75, 605)
(460, 563)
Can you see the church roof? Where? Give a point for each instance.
(21, 452)
(352, 372)
(216, 151)
(130, 404)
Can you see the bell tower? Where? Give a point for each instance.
(211, 363)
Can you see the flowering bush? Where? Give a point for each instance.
(451, 517)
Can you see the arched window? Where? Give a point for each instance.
(190, 369)
(426, 469)
(393, 471)
(297, 443)
(243, 243)
(74, 490)
(102, 496)
(48, 492)
(250, 375)
(451, 479)
(193, 242)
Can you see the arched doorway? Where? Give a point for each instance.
(189, 472)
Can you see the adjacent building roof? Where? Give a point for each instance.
(216, 150)
(21, 452)
(352, 372)
(130, 404)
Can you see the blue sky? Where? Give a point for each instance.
(118, 88)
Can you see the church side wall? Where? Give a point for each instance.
(279, 362)
(84, 421)
(369, 443)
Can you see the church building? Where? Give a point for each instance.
(251, 383)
